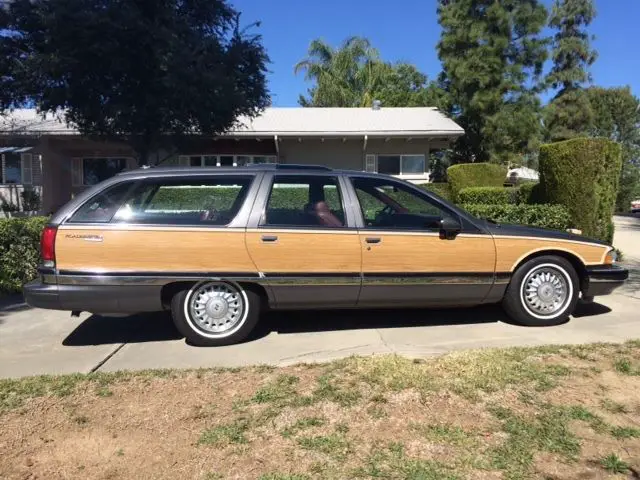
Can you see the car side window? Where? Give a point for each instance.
(388, 204)
(102, 207)
(211, 201)
(304, 201)
(168, 201)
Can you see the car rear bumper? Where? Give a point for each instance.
(604, 279)
(93, 298)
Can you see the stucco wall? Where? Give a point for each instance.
(349, 154)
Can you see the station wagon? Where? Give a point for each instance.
(218, 246)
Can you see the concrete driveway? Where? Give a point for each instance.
(39, 341)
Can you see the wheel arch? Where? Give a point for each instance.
(575, 261)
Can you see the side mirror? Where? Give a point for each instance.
(449, 228)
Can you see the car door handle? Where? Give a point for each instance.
(373, 239)
(269, 238)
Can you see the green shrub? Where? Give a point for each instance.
(466, 175)
(583, 175)
(529, 193)
(546, 216)
(19, 251)
(186, 198)
(629, 186)
(440, 189)
(222, 198)
(488, 195)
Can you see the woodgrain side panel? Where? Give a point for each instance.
(413, 253)
(512, 250)
(153, 251)
(305, 252)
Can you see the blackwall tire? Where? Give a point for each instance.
(543, 291)
(215, 313)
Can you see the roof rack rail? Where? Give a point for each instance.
(293, 166)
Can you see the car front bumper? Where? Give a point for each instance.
(604, 279)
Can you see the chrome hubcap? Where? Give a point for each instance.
(545, 291)
(216, 307)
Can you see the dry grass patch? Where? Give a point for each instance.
(558, 412)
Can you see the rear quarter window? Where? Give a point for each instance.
(102, 207)
(168, 201)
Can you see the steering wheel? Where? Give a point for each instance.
(383, 215)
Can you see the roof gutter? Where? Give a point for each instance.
(327, 134)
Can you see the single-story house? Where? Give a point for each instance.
(44, 154)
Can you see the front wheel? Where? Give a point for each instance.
(543, 291)
(215, 313)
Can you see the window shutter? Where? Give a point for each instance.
(76, 172)
(184, 160)
(370, 164)
(26, 167)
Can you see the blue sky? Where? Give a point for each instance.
(408, 30)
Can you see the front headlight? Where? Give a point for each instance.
(611, 258)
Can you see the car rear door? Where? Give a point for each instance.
(301, 242)
(405, 261)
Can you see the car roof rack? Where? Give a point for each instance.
(289, 166)
(293, 166)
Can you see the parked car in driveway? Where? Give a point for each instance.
(218, 246)
(635, 206)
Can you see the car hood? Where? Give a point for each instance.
(525, 231)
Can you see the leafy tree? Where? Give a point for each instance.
(569, 114)
(617, 117)
(492, 52)
(353, 75)
(403, 85)
(344, 77)
(150, 73)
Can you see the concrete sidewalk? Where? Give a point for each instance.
(41, 341)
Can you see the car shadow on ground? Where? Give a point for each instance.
(157, 327)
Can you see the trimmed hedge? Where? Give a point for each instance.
(440, 189)
(466, 175)
(223, 198)
(19, 251)
(583, 175)
(488, 195)
(546, 216)
(529, 193)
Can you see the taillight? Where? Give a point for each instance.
(48, 246)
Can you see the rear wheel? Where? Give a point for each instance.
(543, 291)
(215, 313)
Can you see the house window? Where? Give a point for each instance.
(227, 160)
(90, 171)
(16, 167)
(12, 168)
(399, 164)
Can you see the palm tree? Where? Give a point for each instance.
(343, 77)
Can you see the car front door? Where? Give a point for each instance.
(301, 243)
(406, 258)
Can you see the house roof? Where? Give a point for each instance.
(410, 121)
(295, 122)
